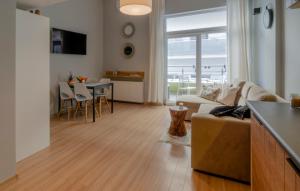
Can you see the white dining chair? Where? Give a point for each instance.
(82, 96)
(66, 98)
(102, 95)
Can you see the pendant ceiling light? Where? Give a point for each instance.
(136, 7)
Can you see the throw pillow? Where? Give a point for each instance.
(210, 94)
(242, 112)
(240, 85)
(228, 96)
(222, 111)
(257, 93)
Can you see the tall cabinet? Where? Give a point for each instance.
(32, 83)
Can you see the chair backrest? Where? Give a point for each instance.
(105, 80)
(65, 91)
(82, 92)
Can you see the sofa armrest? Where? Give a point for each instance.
(221, 146)
(211, 120)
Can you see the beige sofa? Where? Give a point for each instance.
(221, 145)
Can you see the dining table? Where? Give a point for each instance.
(98, 86)
(94, 86)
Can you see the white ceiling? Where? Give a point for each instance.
(30, 4)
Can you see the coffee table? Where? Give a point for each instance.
(177, 126)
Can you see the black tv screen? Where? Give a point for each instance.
(67, 42)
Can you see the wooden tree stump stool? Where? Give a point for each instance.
(177, 127)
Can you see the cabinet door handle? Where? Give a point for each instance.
(293, 165)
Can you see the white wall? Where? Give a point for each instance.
(266, 48)
(7, 85)
(177, 6)
(114, 41)
(32, 84)
(83, 16)
(292, 47)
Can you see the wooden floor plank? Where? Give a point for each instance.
(121, 151)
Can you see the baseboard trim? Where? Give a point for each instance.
(118, 101)
(153, 104)
(224, 177)
(13, 178)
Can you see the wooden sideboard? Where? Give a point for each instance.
(271, 167)
(128, 85)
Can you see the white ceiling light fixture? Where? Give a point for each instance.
(136, 7)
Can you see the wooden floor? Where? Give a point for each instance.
(119, 152)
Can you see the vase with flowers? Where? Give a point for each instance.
(82, 79)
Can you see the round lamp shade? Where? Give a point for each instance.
(136, 7)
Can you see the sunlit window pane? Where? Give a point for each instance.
(197, 21)
(214, 58)
(181, 66)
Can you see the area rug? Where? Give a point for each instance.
(185, 141)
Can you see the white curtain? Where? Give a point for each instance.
(239, 49)
(157, 59)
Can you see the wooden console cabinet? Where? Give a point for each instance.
(271, 167)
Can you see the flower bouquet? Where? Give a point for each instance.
(82, 79)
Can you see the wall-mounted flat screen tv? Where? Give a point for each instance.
(67, 42)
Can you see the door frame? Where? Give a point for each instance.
(189, 33)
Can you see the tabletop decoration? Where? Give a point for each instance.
(82, 79)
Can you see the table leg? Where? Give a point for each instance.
(59, 101)
(94, 117)
(112, 98)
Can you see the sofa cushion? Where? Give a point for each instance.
(193, 102)
(240, 85)
(229, 96)
(206, 108)
(210, 94)
(194, 99)
(244, 93)
(246, 89)
(242, 101)
(257, 93)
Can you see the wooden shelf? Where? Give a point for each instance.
(125, 75)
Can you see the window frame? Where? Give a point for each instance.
(191, 33)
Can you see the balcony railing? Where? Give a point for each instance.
(182, 78)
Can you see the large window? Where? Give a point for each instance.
(201, 20)
(196, 52)
(213, 58)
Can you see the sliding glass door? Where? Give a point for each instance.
(182, 62)
(194, 62)
(196, 48)
(213, 58)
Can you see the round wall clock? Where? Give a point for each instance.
(128, 50)
(268, 17)
(128, 30)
